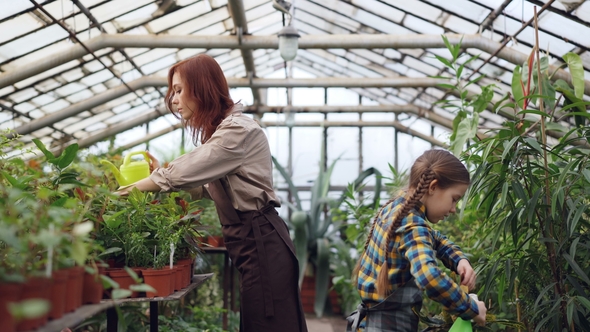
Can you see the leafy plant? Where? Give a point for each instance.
(314, 230)
(529, 200)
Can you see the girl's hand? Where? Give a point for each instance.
(154, 163)
(468, 276)
(481, 318)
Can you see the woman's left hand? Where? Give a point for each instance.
(154, 163)
(467, 273)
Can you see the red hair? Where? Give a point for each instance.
(206, 83)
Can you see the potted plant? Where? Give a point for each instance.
(315, 230)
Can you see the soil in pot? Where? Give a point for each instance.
(9, 292)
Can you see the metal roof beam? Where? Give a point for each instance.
(271, 42)
(121, 127)
(238, 15)
(155, 81)
(88, 141)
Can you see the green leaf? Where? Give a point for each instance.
(533, 143)
(447, 86)
(110, 251)
(322, 275)
(517, 87)
(548, 92)
(299, 220)
(68, 155)
(573, 222)
(444, 61)
(579, 272)
(120, 293)
(60, 202)
(108, 283)
(576, 68)
(508, 147)
(41, 147)
(79, 251)
(133, 275)
(29, 309)
(289, 181)
(14, 182)
(584, 301)
(571, 305)
(467, 129)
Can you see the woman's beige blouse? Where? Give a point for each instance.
(238, 153)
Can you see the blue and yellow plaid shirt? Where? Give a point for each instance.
(412, 253)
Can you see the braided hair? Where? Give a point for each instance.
(432, 165)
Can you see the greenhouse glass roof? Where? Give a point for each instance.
(85, 70)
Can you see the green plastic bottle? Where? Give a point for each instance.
(461, 325)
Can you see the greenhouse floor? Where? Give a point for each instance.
(325, 324)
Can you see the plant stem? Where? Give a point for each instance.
(549, 245)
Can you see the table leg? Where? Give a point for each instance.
(232, 287)
(112, 320)
(153, 316)
(226, 283)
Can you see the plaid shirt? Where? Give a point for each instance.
(411, 253)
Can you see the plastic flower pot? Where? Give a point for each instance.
(74, 284)
(123, 278)
(178, 277)
(92, 289)
(159, 280)
(9, 292)
(34, 288)
(58, 293)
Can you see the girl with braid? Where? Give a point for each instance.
(399, 260)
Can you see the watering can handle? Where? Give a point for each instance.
(128, 156)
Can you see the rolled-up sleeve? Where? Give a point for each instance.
(221, 155)
(417, 248)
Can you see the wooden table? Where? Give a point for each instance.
(73, 319)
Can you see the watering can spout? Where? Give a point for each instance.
(120, 179)
(131, 171)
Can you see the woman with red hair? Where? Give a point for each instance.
(232, 165)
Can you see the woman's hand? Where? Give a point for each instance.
(154, 163)
(142, 185)
(467, 273)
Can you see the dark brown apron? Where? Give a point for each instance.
(260, 247)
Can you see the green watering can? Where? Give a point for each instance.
(461, 325)
(131, 171)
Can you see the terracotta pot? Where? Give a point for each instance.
(159, 280)
(334, 302)
(92, 289)
(74, 285)
(173, 274)
(215, 241)
(9, 292)
(308, 294)
(178, 277)
(35, 288)
(185, 263)
(123, 278)
(58, 293)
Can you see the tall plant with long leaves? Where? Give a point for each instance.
(466, 106)
(531, 199)
(315, 230)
